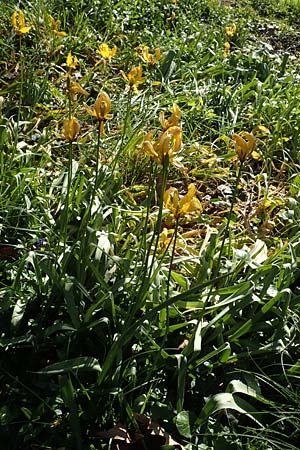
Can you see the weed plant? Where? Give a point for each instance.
(149, 205)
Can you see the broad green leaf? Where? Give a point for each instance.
(27, 413)
(241, 388)
(71, 303)
(179, 279)
(225, 401)
(190, 304)
(258, 253)
(59, 327)
(225, 353)
(19, 311)
(295, 185)
(183, 423)
(208, 356)
(295, 369)
(83, 363)
(168, 65)
(17, 341)
(68, 394)
(246, 327)
(238, 387)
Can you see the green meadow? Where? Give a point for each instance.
(150, 225)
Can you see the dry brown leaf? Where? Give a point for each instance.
(150, 435)
(117, 432)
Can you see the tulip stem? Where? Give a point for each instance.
(128, 108)
(64, 226)
(147, 270)
(151, 191)
(229, 216)
(97, 163)
(69, 97)
(174, 238)
(20, 101)
(97, 172)
(157, 228)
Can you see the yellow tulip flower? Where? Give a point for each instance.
(18, 22)
(101, 110)
(106, 52)
(134, 77)
(169, 143)
(245, 144)
(173, 119)
(182, 207)
(54, 25)
(72, 61)
(149, 57)
(166, 145)
(226, 51)
(70, 129)
(74, 88)
(230, 31)
(165, 239)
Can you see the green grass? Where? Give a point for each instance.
(118, 309)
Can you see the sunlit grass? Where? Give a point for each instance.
(149, 205)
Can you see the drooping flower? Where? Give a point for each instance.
(261, 130)
(102, 107)
(71, 61)
(134, 77)
(165, 240)
(150, 58)
(166, 145)
(230, 31)
(18, 22)
(106, 52)
(54, 25)
(74, 88)
(101, 110)
(184, 206)
(169, 143)
(173, 119)
(245, 144)
(70, 129)
(226, 51)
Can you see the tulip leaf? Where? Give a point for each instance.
(183, 423)
(82, 364)
(169, 65)
(224, 401)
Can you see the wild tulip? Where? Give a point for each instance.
(173, 119)
(70, 129)
(74, 88)
(54, 25)
(71, 61)
(165, 146)
(107, 52)
(226, 50)
(134, 77)
(230, 31)
(18, 22)
(149, 57)
(182, 207)
(245, 144)
(101, 110)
